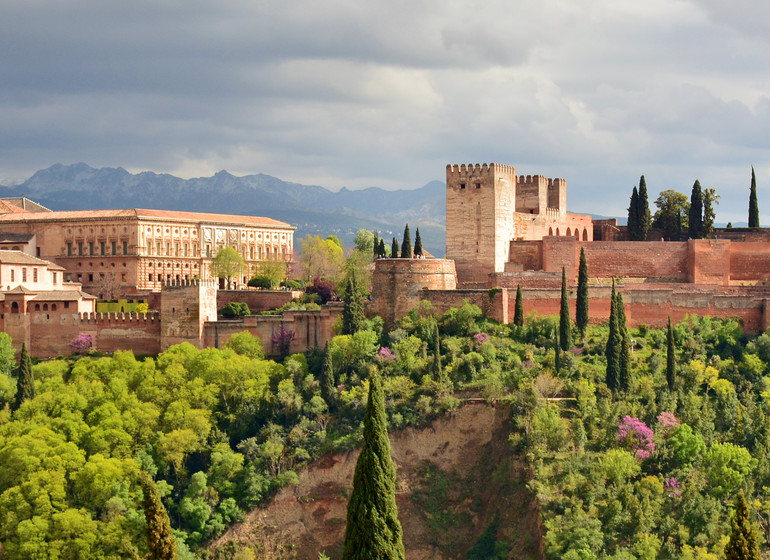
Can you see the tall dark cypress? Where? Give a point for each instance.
(160, 537)
(743, 543)
(376, 246)
(632, 226)
(25, 382)
(753, 203)
(581, 304)
(373, 530)
(518, 313)
(696, 212)
(645, 218)
(417, 243)
(394, 248)
(327, 377)
(382, 248)
(612, 350)
(670, 357)
(406, 244)
(624, 370)
(565, 326)
(353, 317)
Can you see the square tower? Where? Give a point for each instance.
(480, 201)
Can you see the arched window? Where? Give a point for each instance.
(53, 307)
(15, 307)
(45, 307)
(557, 232)
(550, 231)
(577, 234)
(585, 234)
(37, 307)
(569, 232)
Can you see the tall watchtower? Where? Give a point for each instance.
(480, 203)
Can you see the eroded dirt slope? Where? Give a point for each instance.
(459, 486)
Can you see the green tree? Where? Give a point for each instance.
(612, 349)
(753, 203)
(710, 199)
(581, 304)
(364, 241)
(373, 530)
(565, 326)
(670, 357)
(353, 317)
(160, 539)
(645, 221)
(394, 248)
(25, 382)
(375, 245)
(7, 354)
(437, 370)
(673, 209)
(381, 250)
(228, 265)
(417, 243)
(695, 221)
(273, 270)
(406, 244)
(743, 543)
(518, 312)
(632, 226)
(624, 359)
(321, 258)
(246, 344)
(327, 377)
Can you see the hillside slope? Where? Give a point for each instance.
(457, 479)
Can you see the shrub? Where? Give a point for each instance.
(260, 282)
(235, 309)
(82, 343)
(324, 289)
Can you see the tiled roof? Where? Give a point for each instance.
(20, 290)
(17, 257)
(139, 213)
(25, 204)
(15, 237)
(7, 207)
(50, 295)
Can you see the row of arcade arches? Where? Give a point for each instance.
(570, 233)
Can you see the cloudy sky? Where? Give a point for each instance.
(386, 93)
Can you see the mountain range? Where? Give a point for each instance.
(312, 209)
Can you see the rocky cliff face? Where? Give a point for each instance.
(460, 486)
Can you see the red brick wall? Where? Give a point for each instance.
(525, 255)
(709, 261)
(749, 262)
(496, 308)
(257, 300)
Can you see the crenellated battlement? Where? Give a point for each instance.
(120, 317)
(476, 169)
(188, 283)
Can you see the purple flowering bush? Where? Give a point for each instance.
(480, 339)
(82, 344)
(636, 436)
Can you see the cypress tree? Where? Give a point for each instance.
(382, 248)
(696, 212)
(327, 377)
(624, 371)
(406, 244)
(565, 327)
(557, 353)
(417, 243)
(518, 313)
(645, 218)
(25, 382)
(670, 357)
(160, 538)
(753, 203)
(373, 530)
(612, 350)
(376, 246)
(394, 249)
(581, 304)
(353, 317)
(743, 543)
(632, 225)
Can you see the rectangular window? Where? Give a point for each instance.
(157, 247)
(90, 247)
(208, 250)
(69, 249)
(34, 274)
(66, 305)
(23, 274)
(149, 248)
(168, 248)
(251, 252)
(54, 278)
(176, 249)
(90, 277)
(80, 248)
(114, 248)
(125, 247)
(149, 277)
(13, 275)
(102, 248)
(195, 250)
(80, 277)
(185, 249)
(123, 277)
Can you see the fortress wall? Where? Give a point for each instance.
(257, 300)
(709, 261)
(525, 255)
(312, 329)
(749, 262)
(496, 307)
(528, 279)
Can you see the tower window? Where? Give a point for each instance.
(462, 185)
(477, 185)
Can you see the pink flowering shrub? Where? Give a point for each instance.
(673, 488)
(82, 343)
(636, 436)
(481, 338)
(668, 421)
(385, 355)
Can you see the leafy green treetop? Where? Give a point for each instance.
(228, 265)
(373, 530)
(406, 244)
(710, 199)
(753, 203)
(670, 357)
(25, 384)
(673, 209)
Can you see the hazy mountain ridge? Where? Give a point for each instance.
(311, 208)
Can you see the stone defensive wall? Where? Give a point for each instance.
(463, 170)
(702, 261)
(495, 304)
(312, 329)
(653, 304)
(398, 284)
(257, 300)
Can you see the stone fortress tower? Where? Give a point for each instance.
(488, 207)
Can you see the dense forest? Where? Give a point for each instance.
(651, 471)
